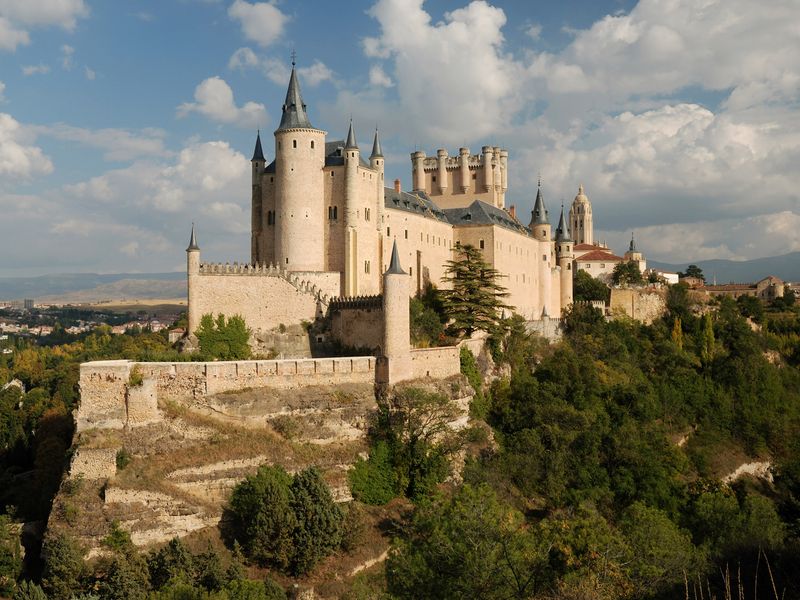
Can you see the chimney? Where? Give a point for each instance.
(397, 187)
(512, 210)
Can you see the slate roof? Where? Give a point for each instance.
(414, 202)
(334, 156)
(294, 109)
(481, 213)
(258, 154)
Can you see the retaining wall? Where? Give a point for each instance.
(439, 363)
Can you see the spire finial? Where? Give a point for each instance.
(294, 57)
(394, 263)
(192, 241)
(540, 179)
(377, 152)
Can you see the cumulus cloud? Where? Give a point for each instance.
(2, 91)
(89, 73)
(19, 157)
(67, 57)
(17, 16)
(277, 70)
(214, 99)
(261, 22)
(378, 77)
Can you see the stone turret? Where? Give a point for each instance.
(441, 155)
(565, 256)
(257, 206)
(299, 186)
(634, 255)
(540, 218)
(396, 351)
(352, 158)
(581, 227)
(418, 170)
(376, 163)
(192, 273)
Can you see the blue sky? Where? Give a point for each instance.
(122, 122)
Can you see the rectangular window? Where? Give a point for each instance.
(481, 244)
(294, 143)
(406, 233)
(366, 266)
(388, 231)
(544, 257)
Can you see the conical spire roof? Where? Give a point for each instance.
(294, 109)
(539, 214)
(394, 264)
(193, 241)
(632, 247)
(351, 138)
(562, 235)
(258, 153)
(376, 146)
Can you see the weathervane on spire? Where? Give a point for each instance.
(294, 57)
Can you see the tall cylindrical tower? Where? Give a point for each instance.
(418, 168)
(396, 322)
(192, 273)
(441, 154)
(581, 227)
(463, 156)
(299, 187)
(352, 158)
(488, 175)
(566, 256)
(257, 209)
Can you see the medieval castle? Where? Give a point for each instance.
(325, 229)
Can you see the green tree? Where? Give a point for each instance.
(374, 481)
(318, 528)
(172, 563)
(586, 288)
(708, 345)
(10, 556)
(27, 590)
(750, 306)
(693, 271)
(627, 273)
(470, 546)
(475, 298)
(63, 567)
(223, 339)
(263, 519)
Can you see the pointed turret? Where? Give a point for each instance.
(258, 153)
(394, 263)
(539, 214)
(562, 234)
(351, 144)
(632, 247)
(192, 242)
(294, 109)
(376, 146)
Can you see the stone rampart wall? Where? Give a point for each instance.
(105, 386)
(357, 326)
(439, 363)
(642, 304)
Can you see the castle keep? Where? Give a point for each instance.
(324, 224)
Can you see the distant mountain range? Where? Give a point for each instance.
(91, 287)
(786, 266)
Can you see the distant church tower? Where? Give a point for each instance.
(581, 228)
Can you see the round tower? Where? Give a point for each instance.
(396, 322)
(192, 273)
(466, 180)
(565, 255)
(441, 155)
(376, 163)
(418, 170)
(299, 186)
(488, 176)
(257, 209)
(352, 158)
(581, 227)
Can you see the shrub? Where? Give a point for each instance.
(10, 556)
(319, 520)
(27, 590)
(63, 567)
(373, 481)
(123, 459)
(478, 408)
(225, 339)
(136, 377)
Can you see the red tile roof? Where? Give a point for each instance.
(579, 247)
(599, 255)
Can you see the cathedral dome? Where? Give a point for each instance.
(581, 198)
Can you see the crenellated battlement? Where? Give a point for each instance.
(474, 161)
(356, 302)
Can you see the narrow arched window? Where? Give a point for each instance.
(294, 143)
(312, 144)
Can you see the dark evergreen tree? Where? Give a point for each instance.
(318, 528)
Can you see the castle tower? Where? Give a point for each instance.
(396, 322)
(376, 163)
(299, 186)
(540, 218)
(257, 209)
(463, 160)
(192, 273)
(352, 158)
(441, 155)
(418, 170)
(565, 256)
(581, 228)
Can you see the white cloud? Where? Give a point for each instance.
(214, 99)
(2, 91)
(11, 37)
(116, 144)
(67, 57)
(378, 77)
(40, 69)
(19, 158)
(261, 22)
(17, 16)
(89, 73)
(278, 71)
(63, 13)
(534, 31)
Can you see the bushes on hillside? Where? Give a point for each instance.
(225, 339)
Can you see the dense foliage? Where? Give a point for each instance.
(223, 339)
(627, 273)
(287, 522)
(586, 288)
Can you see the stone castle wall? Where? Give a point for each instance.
(438, 363)
(357, 322)
(643, 304)
(106, 393)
